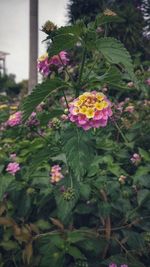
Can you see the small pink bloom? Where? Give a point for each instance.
(15, 119)
(129, 109)
(13, 167)
(130, 84)
(113, 265)
(13, 156)
(148, 81)
(56, 174)
(136, 159)
(32, 121)
(64, 117)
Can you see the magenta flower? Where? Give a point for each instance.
(136, 159)
(46, 65)
(148, 81)
(56, 174)
(15, 119)
(90, 110)
(113, 265)
(32, 121)
(12, 168)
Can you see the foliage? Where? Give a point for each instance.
(98, 213)
(135, 21)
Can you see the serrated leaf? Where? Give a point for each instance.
(115, 53)
(104, 19)
(5, 181)
(142, 196)
(39, 94)
(78, 149)
(62, 42)
(85, 191)
(144, 154)
(75, 253)
(73, 29)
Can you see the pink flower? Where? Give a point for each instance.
(90, 110)
(15, 119)
(122, 179)
(113, 265)
(64, 117)
(129, 109)
(136, 159)
(46, 65)
(13, 156)
(13, 167)
(32, 121)
(56, 174)
(148, 81)
(130, 84)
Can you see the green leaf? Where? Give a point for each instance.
(78, 149)
(64, 207)
(62, 42)
(115, 53)
(75, 253)
(142, 196)
(104, 19)
(75, 236)
(85, 191)
(5, 181)
(144, 154)
(76, 29)
(39, 94)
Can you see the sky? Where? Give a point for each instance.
(14, 30)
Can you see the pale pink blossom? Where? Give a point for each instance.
(148, 81)
(15, 119)
(122, 179)
(113, 265)
(56, 174)
(12, 168)
(13, 156)
(136, 159)
(129, 109)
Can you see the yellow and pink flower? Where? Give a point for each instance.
(56, 174)
(15, 119)
(90, 110)
(46, 65)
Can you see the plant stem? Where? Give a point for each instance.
(81, 71)
(120, 131)
(65, 68)
(65, 99)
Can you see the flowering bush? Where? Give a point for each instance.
(74, 161)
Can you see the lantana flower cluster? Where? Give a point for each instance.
(46, 65)
(56, 174)
(90, 110)
(15, 119)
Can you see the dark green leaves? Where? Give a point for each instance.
(39, 94)
(115, 53)
(78, 149)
